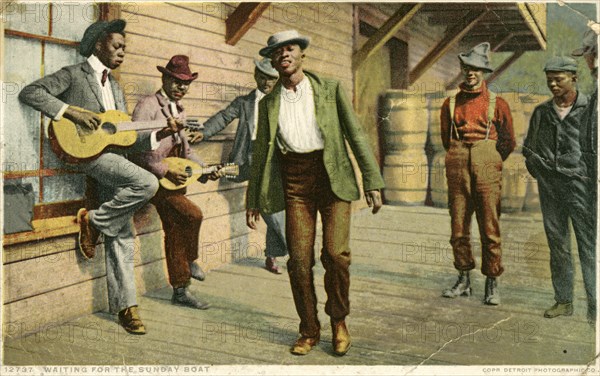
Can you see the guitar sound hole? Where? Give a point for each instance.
(188, 171)
(109, 128)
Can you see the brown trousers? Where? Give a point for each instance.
(308, 190)
(474, 175)
(181, 220)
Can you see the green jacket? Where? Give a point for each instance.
(337, 123)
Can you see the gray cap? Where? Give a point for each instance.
(477, 57)
(589, 44)
(561, 64)
(283, 38)
(265, 66)
(93, 32)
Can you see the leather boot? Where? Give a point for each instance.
(559, 309)
(492, 295)
(462, 287)
(341, 339)
(303, 345)
(130, 320)
(182, 296)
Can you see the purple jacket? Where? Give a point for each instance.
(154, 107)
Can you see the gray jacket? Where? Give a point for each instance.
(552, 145)
(241, 108)
(75, 85)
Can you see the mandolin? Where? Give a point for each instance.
(73, 144)
(195, 171)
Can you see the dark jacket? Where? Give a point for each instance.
(552, 145)
(241, 108)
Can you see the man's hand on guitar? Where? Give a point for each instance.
(85, 119)
(194, 136)
(173, 126)
(216, 175)
(177, 176)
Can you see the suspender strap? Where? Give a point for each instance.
(452, 124)
(490, 114)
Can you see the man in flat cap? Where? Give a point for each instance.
(181, 218)
(300, 163)
(123, 186)
(245, 108)
(553, 158)
(477, 133)
(588, 134)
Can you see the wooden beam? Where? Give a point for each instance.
(43, 38)
(495, 48)
(397, 21)
(507, 63)
(452, 37)
(535, 18)
(241, 20)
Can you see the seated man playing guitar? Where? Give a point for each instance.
(181, 218)
(76, 93)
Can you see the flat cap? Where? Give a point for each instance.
(93, 32)
(561, 64)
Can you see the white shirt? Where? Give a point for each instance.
(298, 128)
(108, 99)
(174, 112)
(259, 95)
(562, 112)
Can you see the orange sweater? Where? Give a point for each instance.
(470, 117)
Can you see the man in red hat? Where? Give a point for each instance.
(477, 133)
(180, 217)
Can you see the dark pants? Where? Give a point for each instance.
(308, 190)
(181, 220)
(562, 198)
(474, 175)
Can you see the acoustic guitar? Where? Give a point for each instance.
(195, 171)
(73, 144)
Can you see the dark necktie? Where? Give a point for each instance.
(104, 76)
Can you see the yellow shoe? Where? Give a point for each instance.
(129, 319)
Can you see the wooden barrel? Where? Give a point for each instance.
(405, 178)
(437, 180)
(405, 169)
(437, 154)
(532, 197)
(514, 184)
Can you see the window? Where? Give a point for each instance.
(39, 39)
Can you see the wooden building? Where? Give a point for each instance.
(370, 48)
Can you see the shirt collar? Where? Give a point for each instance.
(480, 89)
(301, 85)
(164, 94)
(97, 65)
(259, 94)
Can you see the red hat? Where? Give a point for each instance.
(178, 67)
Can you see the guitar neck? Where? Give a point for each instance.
(149, 125)
(205, 170)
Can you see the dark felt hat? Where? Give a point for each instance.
(589, 44)
(477, 57)
(179, 67)
(93, 32)
(283, 38)
(561, 64)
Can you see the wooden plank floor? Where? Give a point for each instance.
(401, 262)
